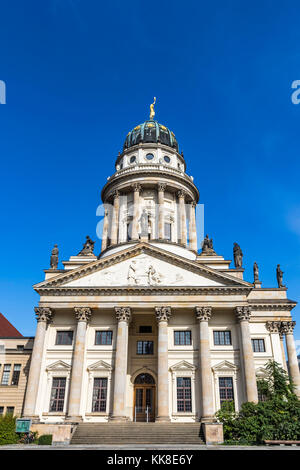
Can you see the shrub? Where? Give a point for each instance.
(276, 418)
(7, 430)
(45, 440)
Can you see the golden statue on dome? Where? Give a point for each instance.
(152, 112)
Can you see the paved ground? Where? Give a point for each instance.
(144, 447)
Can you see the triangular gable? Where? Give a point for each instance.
(183, 366)
(143, 265)
(58, 365)
(100, 365)
(225, 366)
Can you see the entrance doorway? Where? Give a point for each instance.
(144, 398)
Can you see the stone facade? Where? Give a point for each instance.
(15, 353)
(151, 320)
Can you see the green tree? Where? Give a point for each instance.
(275, 418)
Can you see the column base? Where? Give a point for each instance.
(162, 419)
(208, 419)
(73, 419)
(118, 419)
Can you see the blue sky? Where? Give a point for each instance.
(81, 74)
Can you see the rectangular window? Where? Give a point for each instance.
(99, 395)
(129, 231)
(103, 338)
(64, 338)
(10, 410)
(168, 231)
(226, 389)
(184, 394)
(16, 374)
(258, 345)
(222, 338)
(1, 410)
(144, 347)
(182, 338)
(145, 329)
(58, 394)
(6, 374)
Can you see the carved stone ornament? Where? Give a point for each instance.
(43, 314)
(136, 187)
(88, 247)
(181, 193)
(123, 313)
(273, 326)
(243, 313)
(54, 258)
(203, 313)
(163, 313)
(83, 313)
(287, 327)
(162, 186)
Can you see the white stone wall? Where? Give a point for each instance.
(183, 360)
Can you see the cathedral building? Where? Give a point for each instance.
(153, 329)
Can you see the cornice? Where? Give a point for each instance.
(140, 290)
(117, 180)
(142, 248)
(272, 305)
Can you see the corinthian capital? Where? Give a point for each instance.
(243, 313)
(163, 313)
(123, 313)
(287, 327)
(43, 314)
(83, 313)
(273, 326)
(162, 186)
(181, 194)
(136, 187)
(203, 313)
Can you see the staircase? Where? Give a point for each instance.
(138, 433)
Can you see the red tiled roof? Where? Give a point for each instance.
(7, 329)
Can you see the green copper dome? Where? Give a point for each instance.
(151, 131)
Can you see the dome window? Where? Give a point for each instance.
(149, 156)
(132, 159)
(167, 159)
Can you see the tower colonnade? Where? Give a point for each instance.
(164, 221)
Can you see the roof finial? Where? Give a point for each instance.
(152, 112)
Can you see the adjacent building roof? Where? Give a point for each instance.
(7, 330)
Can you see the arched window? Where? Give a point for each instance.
(144, 379)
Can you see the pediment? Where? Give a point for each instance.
(183, 366)
(225, 366)
(58, 365)
(143, 265)
(100, 365)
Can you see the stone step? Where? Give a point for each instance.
(138, 433)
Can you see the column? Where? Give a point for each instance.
(136, 211)
(115, 219)
(105, 231)
(43, 316)
(182, 217)
(287, 328)
(123, 315)
(192, 228)
(161, 200)
(274, 327)
(281, 336)
(162, 315)
(83, 315)
(203, 315)
(243, 316)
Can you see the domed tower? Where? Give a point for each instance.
(150, 198)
